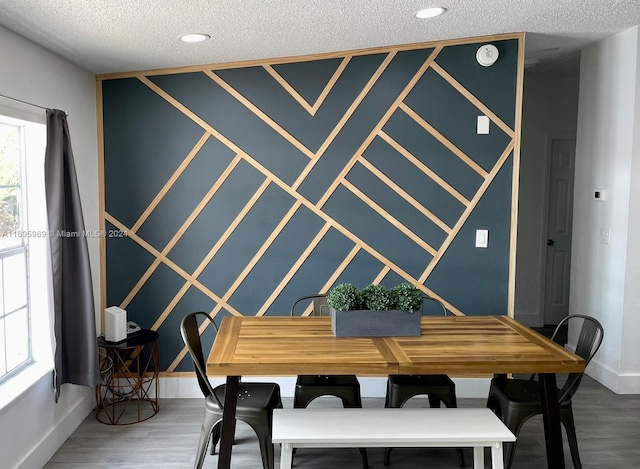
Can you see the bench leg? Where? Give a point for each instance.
(478, 457)
(286, 456)
(497, 461)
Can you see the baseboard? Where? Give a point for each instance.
(48, 445)
(185, 387)
(620, 383)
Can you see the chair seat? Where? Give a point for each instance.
(310, 387)
(522, 393)
(438, 388)
(252, 397)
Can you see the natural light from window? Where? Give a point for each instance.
(24, 296)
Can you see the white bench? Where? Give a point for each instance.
(406, 427)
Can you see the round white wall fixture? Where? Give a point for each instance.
(487, 55)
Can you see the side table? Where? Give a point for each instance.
(128, 392)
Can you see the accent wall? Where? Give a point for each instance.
(237, 188)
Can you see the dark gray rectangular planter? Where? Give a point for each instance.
(367, 323)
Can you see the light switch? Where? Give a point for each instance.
(483, 125)
(605, 235)
(482, 238)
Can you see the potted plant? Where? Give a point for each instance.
(407, 297)
(344, 297)
(375, 311)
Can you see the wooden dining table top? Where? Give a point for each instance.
(458, 345)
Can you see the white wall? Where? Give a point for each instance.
(33, 426)
(549, 110)
(604, 278)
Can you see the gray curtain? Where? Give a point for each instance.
(76, 350)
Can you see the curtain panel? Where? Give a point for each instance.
(76, 350)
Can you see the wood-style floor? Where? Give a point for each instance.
(608, 428)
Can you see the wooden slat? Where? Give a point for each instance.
(223, 349)
(385, 118)
(515, 182)
(443, 140)
(405, 195)
(277, 346)
(260, 114)
(389, 218)
(475, 101)
(101, 204)
(290, 89)
(170, 182)
(294, 268)
(343, 120)
(169, 263)
(424, 168)
(467, 213)
(485, 344)
(291, 190)
(176, 237)
(310, 108)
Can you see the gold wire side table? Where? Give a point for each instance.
(128, 392)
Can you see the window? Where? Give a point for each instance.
(24, 318)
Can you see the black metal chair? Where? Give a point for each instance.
(310, 387)
(517, 400)
(256, 401)
(437, 388)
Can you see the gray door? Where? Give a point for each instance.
(559, 220)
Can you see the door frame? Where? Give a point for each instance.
(545, 215)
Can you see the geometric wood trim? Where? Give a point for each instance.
(390, 218)
(442, 139)
(169, 263)
(265, 118)
(407, 197)
(101, 204)
(378, 128)
(465, 215)
(315, 207)
(473, 100)
(170, 182)
(311, 109)
(334, 133)
(425, 169)
(515, 181)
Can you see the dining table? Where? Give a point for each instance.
(460, 346)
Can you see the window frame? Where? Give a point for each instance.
(34, 244)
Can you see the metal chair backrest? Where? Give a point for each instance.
(435, 300)
(589, 341)
(320, 306)
(191, 337)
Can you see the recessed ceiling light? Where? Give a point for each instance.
(196, 37)
(430, 12)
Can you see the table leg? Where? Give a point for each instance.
(228, 422)
(497, 458)
(551, 420)
(286, 456)
(478, 457)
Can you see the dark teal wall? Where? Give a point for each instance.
(146, 138)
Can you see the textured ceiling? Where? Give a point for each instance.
(106, 36)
